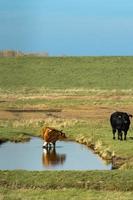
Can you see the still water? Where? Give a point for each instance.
(66, 156)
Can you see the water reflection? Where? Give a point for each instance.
(66, 156)
(51, 158)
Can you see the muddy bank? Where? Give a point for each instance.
(21, 138)
(108, 156)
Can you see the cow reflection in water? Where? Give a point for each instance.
(51, 158)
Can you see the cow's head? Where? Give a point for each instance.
(130, 115)
(62, 135)
(126, 118)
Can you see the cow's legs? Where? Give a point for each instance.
(125, 134)
(54, 144)
(45, 144)
(119, 135)
(114, 131)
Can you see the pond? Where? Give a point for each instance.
(66, 156)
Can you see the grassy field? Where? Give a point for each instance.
(36, 74)
(76, 94)
(67, 185)
(74, 194)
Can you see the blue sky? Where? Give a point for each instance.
(67, 27)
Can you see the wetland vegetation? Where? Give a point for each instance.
(76, 94)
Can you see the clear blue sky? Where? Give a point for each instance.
(67, 27)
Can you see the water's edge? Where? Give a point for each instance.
(67, 155)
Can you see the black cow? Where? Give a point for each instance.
(120, 121)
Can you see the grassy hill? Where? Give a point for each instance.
(35, 73)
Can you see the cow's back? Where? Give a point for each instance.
(50, 134)
(120, 120)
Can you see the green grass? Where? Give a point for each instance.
(121, 180)
(66, 184)
(100, 134)
(65, 194)
(100, 77)
(69, 102)
(19, 130)
(32, 73)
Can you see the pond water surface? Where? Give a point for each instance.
(66, 156)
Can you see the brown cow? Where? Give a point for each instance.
(51, 135)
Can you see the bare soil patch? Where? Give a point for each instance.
(79, 112)
(42, 111)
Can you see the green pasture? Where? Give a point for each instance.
(33, 73)
(100, 81)
(121, 180)
(67, 185)
(59, 194)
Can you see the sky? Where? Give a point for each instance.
(67, 27)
